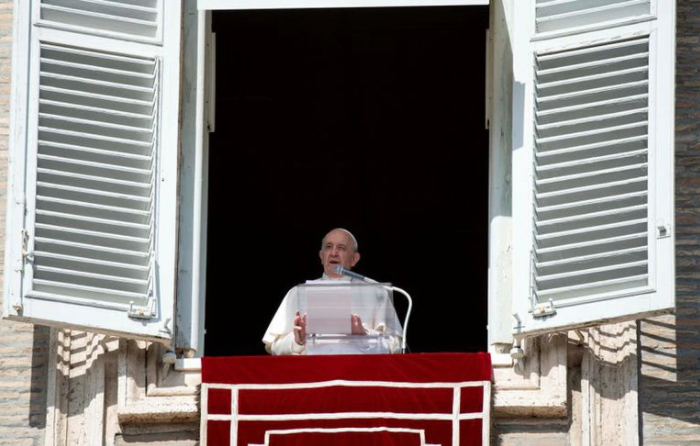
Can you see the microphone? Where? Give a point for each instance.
(347, 273)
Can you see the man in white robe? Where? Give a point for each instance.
(286, 334)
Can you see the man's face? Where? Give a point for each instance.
(337, 249)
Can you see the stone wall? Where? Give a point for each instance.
(670, 346)
(23, 347)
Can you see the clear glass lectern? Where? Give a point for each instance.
(329, 308)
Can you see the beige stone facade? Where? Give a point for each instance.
(23, 347)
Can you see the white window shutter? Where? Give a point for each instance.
(95, 162)
(593, 169)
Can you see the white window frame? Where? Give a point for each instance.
(303, 4)
(197, 119)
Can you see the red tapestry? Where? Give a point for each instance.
(411, 399)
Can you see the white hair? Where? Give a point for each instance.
(352, 237)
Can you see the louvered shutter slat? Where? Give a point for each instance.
(76, 249)
(92, 210)
(110, 104)
(592, 219)
(594, 287)
(597, 258)
(104, 157)
(591, 192)
(106, 174)
(592, 247)
(94, 114)
(597, 204)
(129, 18)
(77, 194)
(69, 292)
(591, 233)
(90, 279)
(92, 223)
(108, 169)
(77, 263)
(587, 151)
(105, 89)
(584, 176)
(95, 238)
(77, 125)
(558, 15)
(78, 139)
(59, 260)
(611, 159)
(96, 183)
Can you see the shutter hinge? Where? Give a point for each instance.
(26, 253)
(544, 309)
(145, 312)
(538, 309)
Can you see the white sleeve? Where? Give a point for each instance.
(285, 345)
(279, 337)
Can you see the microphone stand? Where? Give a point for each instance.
(408, 313)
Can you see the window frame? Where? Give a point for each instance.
(211, 5)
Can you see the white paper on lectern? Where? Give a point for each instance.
(329, 315)
(372, 302)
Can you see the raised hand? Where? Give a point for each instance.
(300, 328)
(356, 325)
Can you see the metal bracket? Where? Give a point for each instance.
(663, 229)
(27, 255)
(544, 309)
(145, 312)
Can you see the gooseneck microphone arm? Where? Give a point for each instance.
(408, 313)
(352, 274)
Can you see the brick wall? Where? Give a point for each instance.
(669, 395)
(23, 347)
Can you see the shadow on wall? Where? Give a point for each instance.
(603, 382)
(669, 375)
(38, 380)
(670, 345)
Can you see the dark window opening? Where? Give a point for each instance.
(369, 119)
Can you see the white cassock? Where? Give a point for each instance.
(372, 304)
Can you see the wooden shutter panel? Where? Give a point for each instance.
(593, 185)
(99, 215)
(591, 214)
(95, 174)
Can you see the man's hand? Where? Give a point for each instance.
(300, 328)
(356, 325)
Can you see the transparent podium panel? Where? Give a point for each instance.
(319, 344)
(330, 309)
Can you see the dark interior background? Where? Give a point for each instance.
(369, 119)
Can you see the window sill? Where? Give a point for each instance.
(188, 365)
